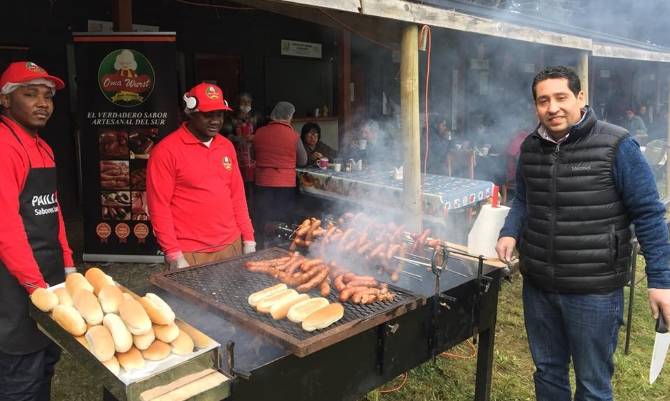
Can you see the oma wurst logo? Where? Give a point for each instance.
(126, 77)
(45, 204)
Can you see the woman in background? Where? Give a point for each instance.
(311, 139)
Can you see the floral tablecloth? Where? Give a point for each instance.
(374, 187)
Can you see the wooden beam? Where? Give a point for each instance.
(423, 14)
(122, 13)
(409, 116)
(629, 53)
(583, 72)
(352, 6)
(344, 82)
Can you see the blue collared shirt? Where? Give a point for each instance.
(636, 185)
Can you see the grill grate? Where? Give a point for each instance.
(227, 285)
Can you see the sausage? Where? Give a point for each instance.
(380, 248)
(303, 228)
(329, 232)
(339, 283)
(315, 223)
(290, 268)
(346, 293)
(365, 247)
(397, 232)
(321, 275)
(325, 287)
(418, 243)
(392, 251)
(362, 283)
(309, 264)
(345, 236)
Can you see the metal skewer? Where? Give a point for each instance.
(419, 263)
(412, 275)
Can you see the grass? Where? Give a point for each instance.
(452, 378)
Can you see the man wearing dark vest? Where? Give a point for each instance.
(33, 247)
(581, 182)
(278, 150)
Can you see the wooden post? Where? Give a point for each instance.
(344, 78)
(583, 71)
(409, 116)
(122, 13)
(667, 149)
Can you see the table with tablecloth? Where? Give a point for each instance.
(380, 188)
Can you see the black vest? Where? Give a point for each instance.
(577, 235)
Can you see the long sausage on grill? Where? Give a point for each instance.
(321, 275)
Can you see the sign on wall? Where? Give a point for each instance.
(300, 49)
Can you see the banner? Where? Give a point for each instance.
(127, 95)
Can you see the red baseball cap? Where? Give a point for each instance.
(25, 71)
(205, 97)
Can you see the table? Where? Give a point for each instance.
(379, 188)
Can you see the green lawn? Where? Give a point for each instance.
(452, 378)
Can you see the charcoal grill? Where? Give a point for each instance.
(225, 286)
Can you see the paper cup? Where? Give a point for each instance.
(337, 167)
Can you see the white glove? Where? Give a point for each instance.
(70, 270)
(176, 260)
(248, 247)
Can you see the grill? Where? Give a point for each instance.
(225, 286)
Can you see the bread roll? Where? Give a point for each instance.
(199, 338)
(267, 303)
(100, 343)
(123, 340)
(256, 297)
(44, 299)
(98, 279)
(75, 282)
(89, 307)
(69, 319)
(143, 341)
(158, 310)
(64, 297)
(110, 296)
(135, 317)
(127, 296)
(166, 333)
(280, 309)
(113, 365)
(156, 351)
(323, 317)
(298, 312)
(131, 360)
(183, 344)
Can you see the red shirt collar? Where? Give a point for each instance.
(19, 130)
(281, 123)
(188, 138)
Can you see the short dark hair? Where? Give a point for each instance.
(308, 127)
(559, 71)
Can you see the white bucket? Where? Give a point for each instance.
(484, 233)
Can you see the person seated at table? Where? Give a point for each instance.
(374, 146)
(439, 143)
(311, 139)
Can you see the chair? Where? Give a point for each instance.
(458, 158)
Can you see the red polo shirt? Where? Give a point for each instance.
(275, 148)
(15, 251)
(195, 194)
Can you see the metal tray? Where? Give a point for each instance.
(226, 285)
(131, 389)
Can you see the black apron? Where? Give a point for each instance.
(39, 211)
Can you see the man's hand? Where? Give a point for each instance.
(176, 260)
(505, 248)
(659, 301)
(249, 247)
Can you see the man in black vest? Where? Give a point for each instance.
(580, 184)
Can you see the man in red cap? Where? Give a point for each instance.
(195, 192)
(33, 247)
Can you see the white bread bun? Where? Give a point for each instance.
(100, 343)
(123, 340)
(183, 344)
(98, 279)
(298, 312)
(166, 332)
(69, 319)
(44, 299)
(89, 307)
(158, 310)
(143, 341)
(110, 296)
(135, 317)
(127, 296)
(323, 317)
(256, 297)
(75, 282)
(267, 303)
(157, 351)
(64, 297)
(280, 309)
(113, 365)
(199, 338)
(131, 360)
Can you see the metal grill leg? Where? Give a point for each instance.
(485, 362)
(631, 298)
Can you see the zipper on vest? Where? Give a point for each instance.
(552, 227)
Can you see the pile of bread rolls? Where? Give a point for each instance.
(283, 302)
(121, 330)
